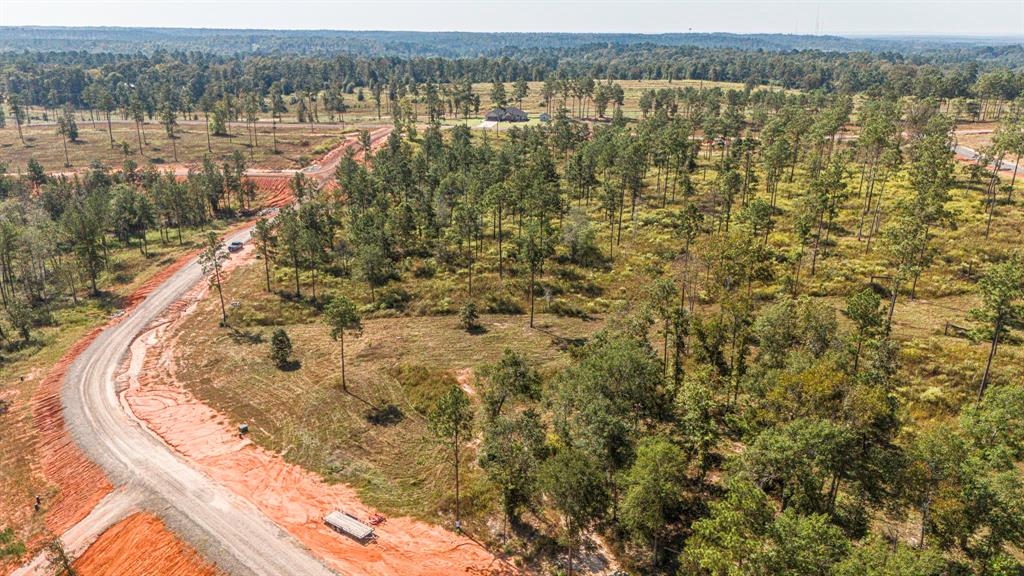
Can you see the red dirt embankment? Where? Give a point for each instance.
(141, 545)
(81, 484)
(277, 191)
(291, 496)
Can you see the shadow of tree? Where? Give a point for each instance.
(386, 415)
(245, 336)
(290, 366)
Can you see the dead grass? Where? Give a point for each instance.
(297, 145)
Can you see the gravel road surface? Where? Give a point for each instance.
(229, 531)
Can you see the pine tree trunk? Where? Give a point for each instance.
(991, 355)
(344, 383)
(532, 276)
(110, 130)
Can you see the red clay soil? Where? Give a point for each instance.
(141, 545)
(294, 498)
(275, 190)
(81, 484)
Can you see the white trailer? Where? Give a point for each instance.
(347, 524)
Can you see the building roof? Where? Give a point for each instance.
(509, 111)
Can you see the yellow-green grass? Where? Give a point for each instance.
(632, 91)
(305, 416)
(297, 145)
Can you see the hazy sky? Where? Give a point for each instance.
(983, 17)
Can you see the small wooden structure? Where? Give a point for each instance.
(348, 525)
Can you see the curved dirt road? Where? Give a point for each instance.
(227, 530)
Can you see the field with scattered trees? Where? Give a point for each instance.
(728, 312)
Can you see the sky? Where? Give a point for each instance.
(840, 17)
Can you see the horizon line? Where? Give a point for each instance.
(849, 35)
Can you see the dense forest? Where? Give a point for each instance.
(109, 80)
(762, 392)
(444, 44)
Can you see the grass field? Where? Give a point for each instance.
(374, 438)
(297, 145)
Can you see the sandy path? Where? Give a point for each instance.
(292, 497)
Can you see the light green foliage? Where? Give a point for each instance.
(452, 416)
(341, 315)
(511, 454)
(10, 546)
(577, 489)
(1002, 289)
(880, 558)
(742, 536)
(789, 324)
(655, 488)
(795, 460)
(510, 378)
(600, 402)
(468, 316)
(996, 425)
(211, 258)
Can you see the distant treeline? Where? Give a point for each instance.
(446, 44)
(56, 79)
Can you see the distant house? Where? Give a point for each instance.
(510, 114)
(545, 117)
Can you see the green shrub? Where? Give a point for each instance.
(395, 298)
(468, 316)
(566, 309)
(10, 546)
(280, 348)
(425, 269)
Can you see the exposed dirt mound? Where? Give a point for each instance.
(275, 191)
(141, 545)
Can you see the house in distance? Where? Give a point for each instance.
(510, 114)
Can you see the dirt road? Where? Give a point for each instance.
(226, 529)
(229, 531)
